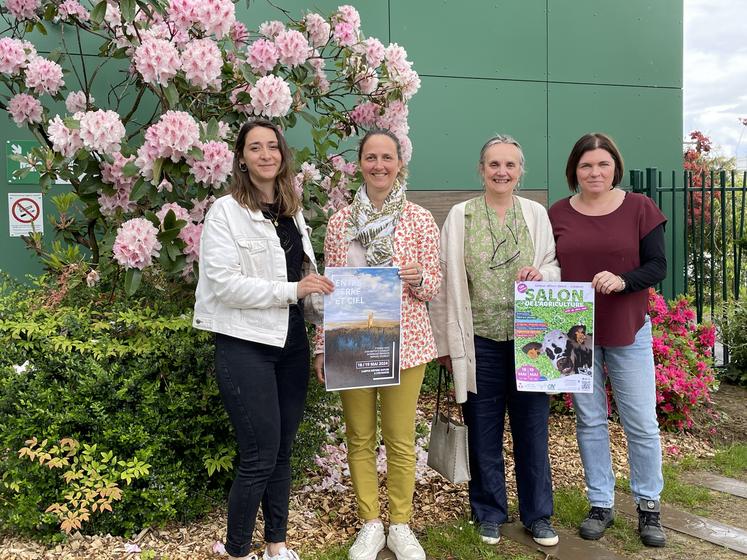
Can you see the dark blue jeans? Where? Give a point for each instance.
(484, 414)
(263, 389)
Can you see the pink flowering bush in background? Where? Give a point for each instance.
(683, 358)
(161, 135)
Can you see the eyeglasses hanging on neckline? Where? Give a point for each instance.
(497, 245)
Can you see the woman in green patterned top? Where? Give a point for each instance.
(487, 243)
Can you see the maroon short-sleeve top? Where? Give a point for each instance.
(586, 245)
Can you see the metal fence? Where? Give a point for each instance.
(706, 237)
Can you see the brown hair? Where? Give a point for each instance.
(393, 137)
(588, 142)
(242, 188)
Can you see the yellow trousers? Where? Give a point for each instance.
(398, 404)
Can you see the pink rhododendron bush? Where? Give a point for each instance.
(149, 153)
(683, 357)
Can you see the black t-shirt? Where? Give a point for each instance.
(290, 241)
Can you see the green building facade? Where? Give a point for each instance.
(544, 71)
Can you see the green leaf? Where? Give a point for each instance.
(196, 153)
(157, 165)
(139, 189)
(127, 8)
(132, 280)
(309, 118)
(98, 13)
(172, 95)
(71, 123)
(213, 129)
(173, 251)
(41, 28)
(169, 220)
(169, 235)
(130, 169)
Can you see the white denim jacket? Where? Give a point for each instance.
(243, 289)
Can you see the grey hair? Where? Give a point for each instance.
(502, 139)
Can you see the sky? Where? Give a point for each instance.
(715, 73)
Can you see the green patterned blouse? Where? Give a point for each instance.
(492, 263)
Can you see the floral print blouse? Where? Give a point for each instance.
(416, 239)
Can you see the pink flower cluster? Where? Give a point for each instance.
(683, 357)
(43, 76)
(72, 8)
(400, 70)
(239, 34)
(365, 114)
(213, 16)
(157, 61)
(113, 174)
(202, 62)
(64, 140)
(190, 234)
(262, 55)
(101, 131)
(292, 47)
(317, 29)
(175, 133)
(242, 107)
(23, 9)
(180, 212)
(271, 29)
(395, 119)
(339, 163)
(14, 54)
(200, 208)
(271, 97)
(76, 101)
(215, 166)
(347, 27)
(136, 244)
(25, 109)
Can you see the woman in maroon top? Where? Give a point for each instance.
(615, 240)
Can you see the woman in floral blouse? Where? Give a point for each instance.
(381, 228)
(487, 243)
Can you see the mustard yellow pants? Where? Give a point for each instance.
(398, 404)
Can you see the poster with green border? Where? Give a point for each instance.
(554, 336)
(19, 148)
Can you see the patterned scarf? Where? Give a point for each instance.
(374, 228)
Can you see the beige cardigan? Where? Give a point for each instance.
(451, 310)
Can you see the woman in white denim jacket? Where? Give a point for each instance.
(256, 267)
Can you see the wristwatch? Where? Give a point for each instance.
(623, 282)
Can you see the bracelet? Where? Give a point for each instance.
(623, 283)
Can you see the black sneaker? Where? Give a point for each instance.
(543, 533)
(596, 523)
(649, 526)
(490, 533)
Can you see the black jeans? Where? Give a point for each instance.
(484, 414)
(263, 389)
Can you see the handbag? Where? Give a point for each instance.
(448, 449)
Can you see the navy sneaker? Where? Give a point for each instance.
(543, 533)
(490, 532)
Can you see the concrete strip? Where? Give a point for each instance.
(569, 547)
(719, 483)
(709, 530)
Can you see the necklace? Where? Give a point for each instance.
(274, 219)
(498, 244)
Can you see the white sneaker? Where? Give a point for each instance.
(403, 543)
(369, 542)
(284, 554)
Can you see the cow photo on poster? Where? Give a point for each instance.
(362, 327)
(554, 336)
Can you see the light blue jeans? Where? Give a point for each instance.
(631, 372)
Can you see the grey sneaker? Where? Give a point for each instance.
(543, 533)
(596, 523)
(649, 526)
(490, 532)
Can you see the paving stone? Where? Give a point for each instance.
(569, 547)
(719, 483)
(709, 530)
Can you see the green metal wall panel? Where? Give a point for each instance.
(504, 39)
(451, 120)
(635, 42)
(645, 123)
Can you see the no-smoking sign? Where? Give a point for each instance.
(25, 213)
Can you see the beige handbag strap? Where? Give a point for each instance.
(443, 379)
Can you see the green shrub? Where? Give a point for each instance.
(734, 330)
(130, 376)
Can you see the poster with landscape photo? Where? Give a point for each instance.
(362, 328)
(554, 336)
